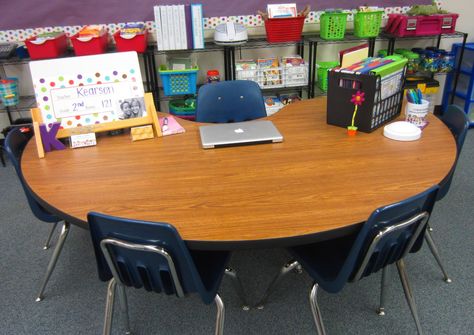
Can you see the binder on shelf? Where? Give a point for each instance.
(176, 27)
(165, 25)
(198, 26)
(159, 28)
(182, 28)
(171, 27)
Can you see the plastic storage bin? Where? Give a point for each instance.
(176, 82)
(185, 109)
(333, 26)
(41, 48)
(89, 45)
(367, 24)
(286, 29)
(276, 77)
(135, 42)
(295, 75)
(402, 25)
(322, 71)
(9, 94)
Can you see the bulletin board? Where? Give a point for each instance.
(22, 14)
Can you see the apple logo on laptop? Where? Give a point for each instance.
(238, 131)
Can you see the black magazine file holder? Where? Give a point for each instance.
(374, 111)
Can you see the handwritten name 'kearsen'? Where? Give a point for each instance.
(90, 91)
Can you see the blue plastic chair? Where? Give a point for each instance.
(15, 143)
(457, 121)
(385, 238)
(230, 101)
(2, 158)
(152, 255)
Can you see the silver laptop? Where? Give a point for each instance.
(239, 133)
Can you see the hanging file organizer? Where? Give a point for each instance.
(383, 92)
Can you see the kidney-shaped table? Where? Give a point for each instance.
(318, 183)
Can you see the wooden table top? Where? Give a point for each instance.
(318, 181)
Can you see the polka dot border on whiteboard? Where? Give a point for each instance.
(43, 85)
(209, 24)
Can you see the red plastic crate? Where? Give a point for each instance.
(89, 45)
(403, 25)
(285, 29)
(137, 42)
(50, 48)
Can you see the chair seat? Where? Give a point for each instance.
(323, 260)
(207, 269)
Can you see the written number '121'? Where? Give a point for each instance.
(107, 103)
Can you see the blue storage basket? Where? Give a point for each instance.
(179, 82)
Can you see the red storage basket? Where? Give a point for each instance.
(50, 48)
(285, 29)
(136, 42)
(402, 25)
(89, 45)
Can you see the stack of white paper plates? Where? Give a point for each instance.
(402, 131)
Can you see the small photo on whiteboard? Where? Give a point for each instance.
(131, 108)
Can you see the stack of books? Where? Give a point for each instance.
(179, 27)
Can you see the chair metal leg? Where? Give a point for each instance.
(288, 267)
(220, 315)
(48, 240)
(1, 156)
(313, 300)
(429, 228)
(238, 287)
(54, 258)
(124, 305)
(383, 288)
(109, 307)
(434, 251)
(408, 294)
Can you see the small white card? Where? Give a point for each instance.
(83, 140)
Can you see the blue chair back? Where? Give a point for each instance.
(146, 264)
(401, 227)
(230, 101)
(15, 143)
(389, 233)
(457, 121)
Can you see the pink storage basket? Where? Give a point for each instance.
(402, 25)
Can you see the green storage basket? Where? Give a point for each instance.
(333, 26)
(367, 24)
(323, 68)
(183, 107)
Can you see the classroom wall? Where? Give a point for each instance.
(325, 52)
(69, 13)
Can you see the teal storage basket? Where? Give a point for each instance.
(177, 82)
(9, 93)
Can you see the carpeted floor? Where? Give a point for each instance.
(75, 297)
